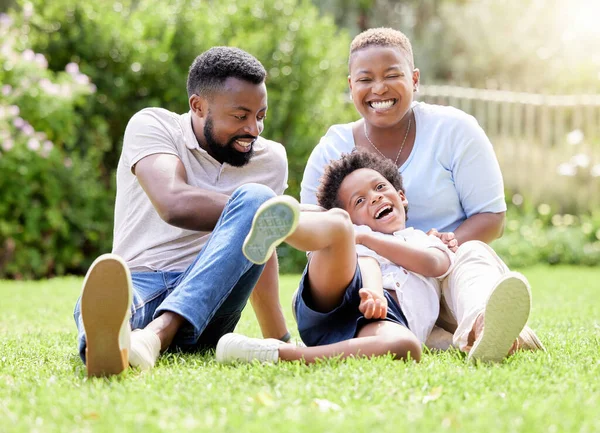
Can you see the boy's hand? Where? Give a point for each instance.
(372, 304)
(447, 238)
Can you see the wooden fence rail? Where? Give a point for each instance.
(547, 145)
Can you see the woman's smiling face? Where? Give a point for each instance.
(382, 82)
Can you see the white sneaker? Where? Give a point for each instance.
(235, 347)
(505, 316)
(105, 310)
(273, 222)
(145, 348)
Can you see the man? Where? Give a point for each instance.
(188, 187)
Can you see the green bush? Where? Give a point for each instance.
(538, 235)
(53, 208)
(137, 53)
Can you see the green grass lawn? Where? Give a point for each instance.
(43, 386)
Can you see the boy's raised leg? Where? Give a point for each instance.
(273, 222)
(328, 235)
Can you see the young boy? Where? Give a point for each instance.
(347, 306)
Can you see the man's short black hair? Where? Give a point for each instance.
(211, 68)
(338, 170)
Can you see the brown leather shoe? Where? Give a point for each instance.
(529, 341)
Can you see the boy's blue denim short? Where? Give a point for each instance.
(343, 322)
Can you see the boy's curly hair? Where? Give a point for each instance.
(337, 171)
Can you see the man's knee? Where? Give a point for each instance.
(253, 193)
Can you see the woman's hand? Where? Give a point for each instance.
(447, 238)
(373, 305)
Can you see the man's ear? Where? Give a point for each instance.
(198, 105)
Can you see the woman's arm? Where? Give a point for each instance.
(484, 227)
(429, 262)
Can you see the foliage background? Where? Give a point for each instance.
(74, 72)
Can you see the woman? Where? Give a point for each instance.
(452, 177)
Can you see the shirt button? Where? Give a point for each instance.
(397, 284)
(405, 271)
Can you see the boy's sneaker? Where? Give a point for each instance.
(235, 347)
(274, 221)
(106, 309)
(505, 316)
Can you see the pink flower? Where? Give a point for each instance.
(19, 123)
(40, 59)
(72, 68)
(47, 147)
(6, 89)
(5, 20)
(13, 110)
(27, 129)
(7, 144)
(82, 79)
(28, 55)
(33, 144)
(68, 162)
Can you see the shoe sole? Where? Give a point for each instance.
(506, 313)
(274, 221)
(105, 303)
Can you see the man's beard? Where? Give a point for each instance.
(226, 153)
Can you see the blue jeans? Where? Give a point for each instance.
(212, 292)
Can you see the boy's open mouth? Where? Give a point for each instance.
(383, 211)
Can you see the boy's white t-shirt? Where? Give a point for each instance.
(451, 173)
(418, 296)
(141, 237)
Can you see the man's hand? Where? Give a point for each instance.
(373, 305)
(447, 238)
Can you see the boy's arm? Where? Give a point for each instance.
(373, 304)
(429, 262)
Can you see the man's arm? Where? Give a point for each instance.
(429, 262)
(266, 304)
(163, 178)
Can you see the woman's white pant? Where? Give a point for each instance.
(467, 288)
